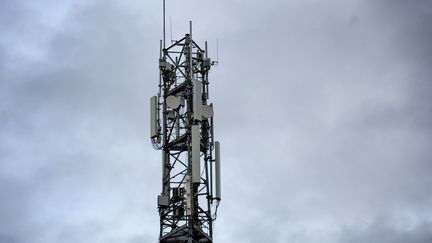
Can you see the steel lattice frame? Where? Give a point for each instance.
(182, 65)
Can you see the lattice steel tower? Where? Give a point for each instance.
(182, 127)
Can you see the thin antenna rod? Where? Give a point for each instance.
(217, 50)
(160, 49)
(164, 24)
(206, 52)
(171, 30)
(190, 28)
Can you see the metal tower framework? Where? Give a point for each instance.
(182, 127)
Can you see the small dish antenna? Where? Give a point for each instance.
(172, 102)
(207, 111)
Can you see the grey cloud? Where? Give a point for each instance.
(14, 208)
(323, 111)
(69, 139)
(329, 107)
(384, 230)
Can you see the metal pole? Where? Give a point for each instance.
(164, 24)
(190, 28)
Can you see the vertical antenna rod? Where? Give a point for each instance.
(190, 29)
(163, 9)
(171, 31)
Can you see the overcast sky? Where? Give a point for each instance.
(323, 110)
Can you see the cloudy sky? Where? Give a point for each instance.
(323, 110)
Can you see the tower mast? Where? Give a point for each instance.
(182, 128)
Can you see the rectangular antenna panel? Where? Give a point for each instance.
(153, 117)
(165, 173)
(196, 177)
(189, 196)
(197, 99)
(207, 63)
(218, 172)
(163, 201)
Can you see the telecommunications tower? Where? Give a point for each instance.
(182, 128)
